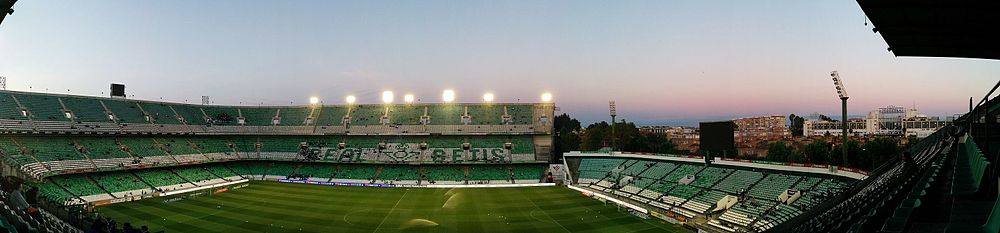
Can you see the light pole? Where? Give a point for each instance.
(614, 113)
(843, 100)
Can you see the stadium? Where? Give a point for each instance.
(96, 162)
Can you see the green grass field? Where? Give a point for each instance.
(281, 207)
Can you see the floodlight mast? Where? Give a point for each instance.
(614, 113)
(842, 92)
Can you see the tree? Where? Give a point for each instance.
(818, 152)
(796, 124)
(596, 136)
(779, 152)
(854, 158)
(825, 118)
(627, 138)
(654, 143)
(568, 131)
(879, 150)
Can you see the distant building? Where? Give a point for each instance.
(886, 121)
(761, 126)
(686, 138)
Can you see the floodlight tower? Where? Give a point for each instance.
(843, 100)
(614, 113)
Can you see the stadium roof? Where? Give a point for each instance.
(933, 28)
(6, 7)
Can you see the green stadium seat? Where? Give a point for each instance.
(42, 107)
(86, 109)
(128, 111)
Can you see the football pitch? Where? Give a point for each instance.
(282, 207)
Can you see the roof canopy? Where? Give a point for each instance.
(6, 7)
(937, 28)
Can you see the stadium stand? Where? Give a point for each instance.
(390, 173)
(259, 116)
(446, 114)
(126, 111)
(9, 109)
(359, 172)
(42, 107)
(528, 172)
(160, 112)
(406, 114)
(690, 190)
(444, 174)
(78, 154)
(115, 182)
(489, 173)
(160, 177)
(331, 115)
(86, 109)
(321, 171)
(78, 185)
(293, 116)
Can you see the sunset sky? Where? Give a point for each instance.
(664, 62)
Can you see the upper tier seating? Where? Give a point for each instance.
(447, 114)
(192, 114)
(42, 107)
(51, 112)
(294, 116)
(9, 110)
(258, 116)
(161, 113)
(366, 114)
(126, 111)
(221, 115)
(331, 115)
(86, 109)
(406, 114)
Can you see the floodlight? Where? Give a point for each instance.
(488, 97)
(350, 99)
(387, 97)
(546, 97)
(841, 91)
(408, 98)
(313, 100)
(448, 96)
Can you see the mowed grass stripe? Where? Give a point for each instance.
(316, 208)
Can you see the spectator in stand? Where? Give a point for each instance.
(14, 186)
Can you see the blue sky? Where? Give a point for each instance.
(664, 62)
